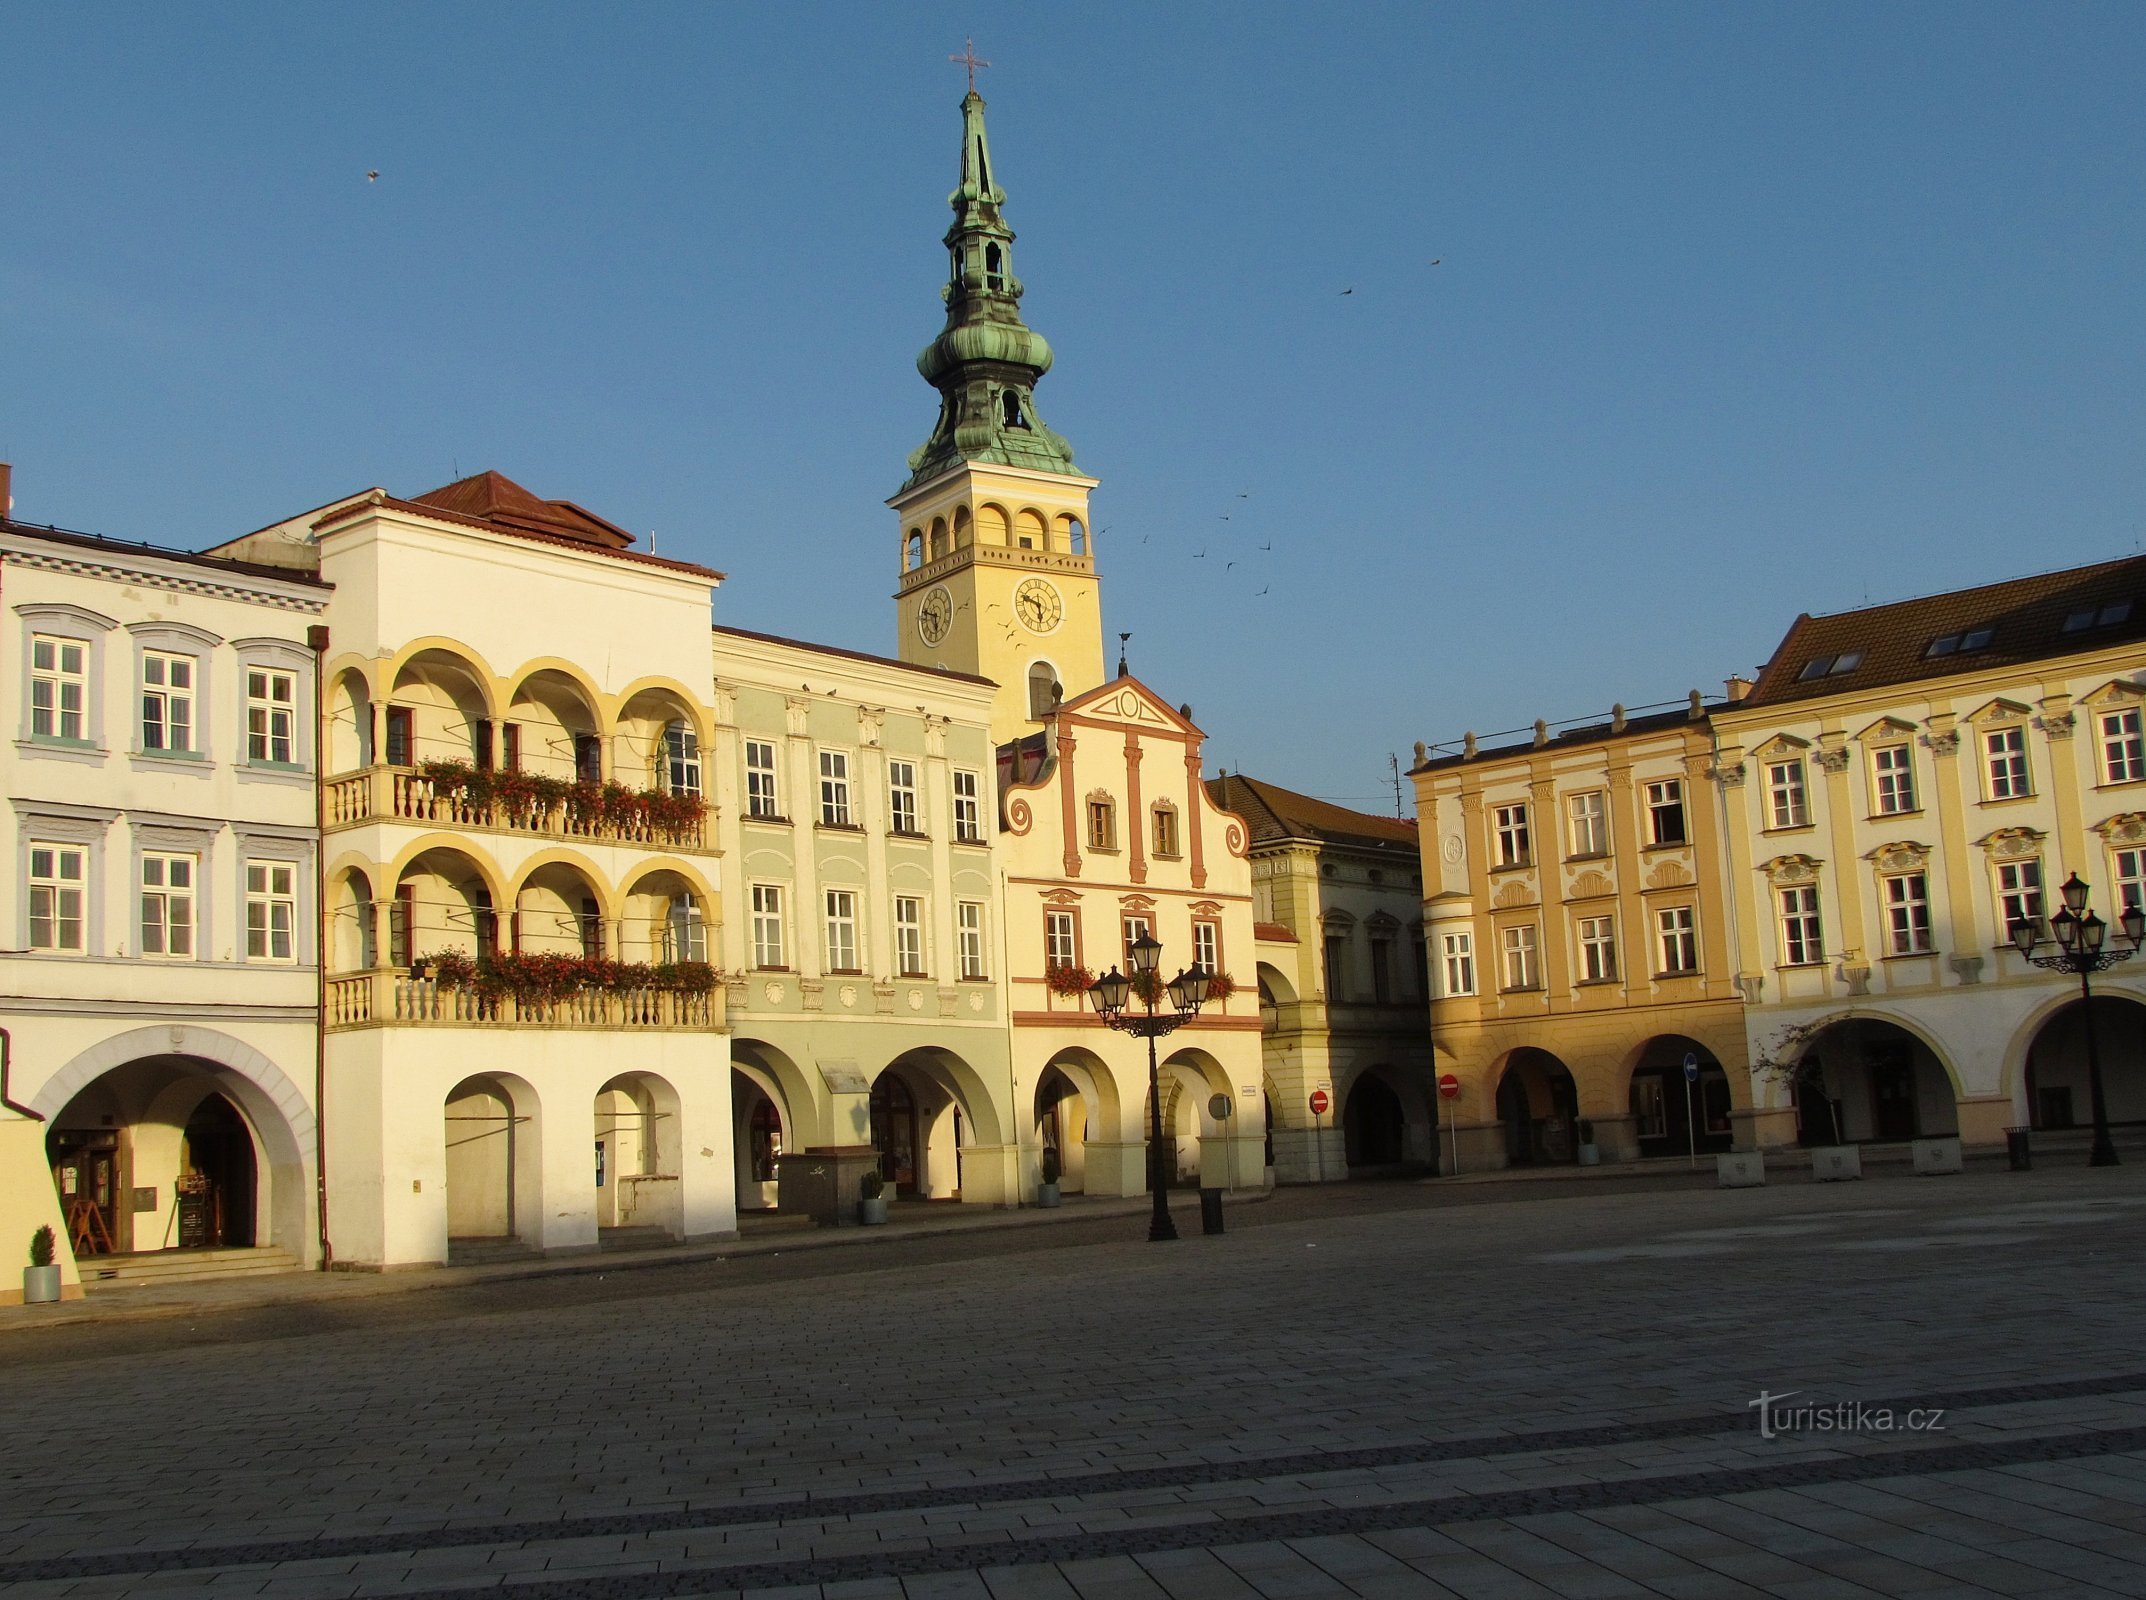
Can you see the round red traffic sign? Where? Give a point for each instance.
(1319, 1102)
(1448, 1087)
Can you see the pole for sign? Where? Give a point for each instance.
(1691, 1128)
(1453, 1134)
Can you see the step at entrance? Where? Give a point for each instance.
(147, 1267)
(479, 1252)
(641, 1236)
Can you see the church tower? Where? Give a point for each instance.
(997, 562)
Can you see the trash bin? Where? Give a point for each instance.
(2015, 1146)
(1210, 1211)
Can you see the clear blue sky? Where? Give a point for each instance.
(1742, 310)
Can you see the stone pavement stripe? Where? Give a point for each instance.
(1084, 1486)
(1442, 1512)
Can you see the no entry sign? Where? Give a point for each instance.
(1448, 1087)
(1319, 1102)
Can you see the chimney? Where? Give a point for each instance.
(1738, 687)
(7, 496)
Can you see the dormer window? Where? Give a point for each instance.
(2105, 617)
(1960, 643)
(1830, 666)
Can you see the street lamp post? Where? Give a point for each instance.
(1187, 992)
(2079, 936)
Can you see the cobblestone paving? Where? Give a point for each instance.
(1380, 1393)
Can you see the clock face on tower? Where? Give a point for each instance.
(934, 615)
(1037, 604)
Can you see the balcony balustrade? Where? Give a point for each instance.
(395, 999)
(510, 803)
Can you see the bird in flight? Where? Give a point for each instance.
(1435, 263)
(1263, 591)
(1244, 496)
(1269, 545)
(372, 177)
(1225, 516)
(1348, 291)
(1227, 565)
(1202, 556)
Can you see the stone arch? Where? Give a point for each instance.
(1537, 1098)
(1069, 534)
(436, 651)
(949, 1108)
(766, 1128)
(1196, 1146)
(2054, 1086)
(683, 935)
(347, 702)
(278, 1113)
(992, 524)
(2013, 1070)
(1077, 1100)
(570, 878)
(1404, 1132)
(353, 938)
(638, 1126)
(912, 549)
(646, 707)
(564, 719)
(1665, 1121)
(964, 528)
(938, 544)
(1878, 1078)
(493, 1129)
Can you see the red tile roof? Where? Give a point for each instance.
(1278, 813)
(1273, 932)
(2027, 619)
(854, 655)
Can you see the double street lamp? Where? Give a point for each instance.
(1186, 992)
(2081, 938)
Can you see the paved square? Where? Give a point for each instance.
(1537, 1389)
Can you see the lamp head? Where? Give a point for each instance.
(2025, 935)
(2065, 927)
(1108, 994)
(2134, 925)
(2092, 930)
(1146, 953)
(2075, 892)
(1184, 996)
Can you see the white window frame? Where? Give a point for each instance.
(1520, 957)
(1907, 913)
(1587, 817)
(50, 682)
(1892, 779)
(909, 936)
(1456, 954)
(2005, 765)
(763, 789)
(968, 809)
(1802, 927)
(1788, 795)
(2019, 894)
(903, 810)
(834, 789)
(1677, 936)
(681, 758)
(1511, 833)
(969, 937)
(174, 703)
(1207, 943)
(1131, 926)
(1598, 949)
(685, 931)
(1666, 795)
(168, 905)
(272, 719)
(839, 917)
(1061, 938)
(264, 899)
(52, 886)
(767, 928)
(2127, 870)
(2123, 745)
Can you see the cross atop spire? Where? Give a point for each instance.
(968, 59)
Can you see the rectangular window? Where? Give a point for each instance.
(834, 788)
(167, 701)
(1598, 949)
(2019, 894)
(1590, 824)
(1165, 831)
(1207, 945)
(480, 743)
(1892, 773)
(59, 688)
(1519, 951)
(968, 810)
(1678, 929)
(401, 745)
(2006, 750)
(1337, 966)
(2123, 747)
(767, 926)
(1665, 812)
(908, 936)
(167, 905)
(681, 757)
(1061, 940)
(1102, 825)
(761, 796)
(401, 918)
(1789, 806)
(1134, 930)
(1382, 971)
(1457, 955)
(510, 748)
(1514, 847)
(1802, 939)
(685, 934)
(902, 797)
(842, 930)
(1650, 1108)
(271, 911)
(1907, 914)
(271, 716)
(56, 872)
(2130, 879)
(969, 932)
(588, 758)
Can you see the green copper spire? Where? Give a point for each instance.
(985, 365)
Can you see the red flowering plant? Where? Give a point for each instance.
(1149, 988)
(1068, 982)
(1220, 986)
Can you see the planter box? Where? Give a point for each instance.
(1836, 1163)
(1590, 1155)
(872, 1212)
(1047, 1195)
(40, 1285)
(1740, 1169)
(1936, 1157)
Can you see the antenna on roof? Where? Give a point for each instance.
(651, 541)
(1123, 640)
(1394, 762)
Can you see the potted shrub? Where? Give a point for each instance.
(872, 1199)
(1047, 1192)
(1590, 1156)
(41, 1278)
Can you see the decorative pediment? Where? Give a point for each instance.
(2013, 844)
(1887, 730)
(1590, 885)
(1337, 919)
(2000, 710)
(1061, 897)
(1781, 746)
(1903, 855)
(1669, 875)
(1129, 701)
(1205, 908)
(2117, 692)
(1515, 894)
(2126, 827)
(1136, 903)
(1791, 869)
(1383, 922)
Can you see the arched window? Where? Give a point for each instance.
(913, 550)
(961, 271)
(938, 537)
(1043, 690)
(1076, 536)
(994, 267)
(1012, 400)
